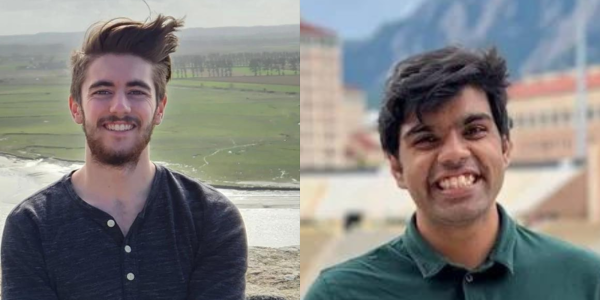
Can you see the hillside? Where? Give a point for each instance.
(192, 41)
(534, 36)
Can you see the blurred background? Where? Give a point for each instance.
(349, 201)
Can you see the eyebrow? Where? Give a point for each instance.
(477, 117)
(138, 83)
(134, 83)
(101, 83)
(419, 128)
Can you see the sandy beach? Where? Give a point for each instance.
(274, 272)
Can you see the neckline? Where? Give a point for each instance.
(154, 190)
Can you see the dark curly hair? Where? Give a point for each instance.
(423, 83)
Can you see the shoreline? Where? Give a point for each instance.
(271, 216)
(273, 187)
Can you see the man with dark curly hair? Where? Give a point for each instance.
(121, 227)
(444, 128)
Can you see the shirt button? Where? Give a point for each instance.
(127, 249)
(130, 276)
(469, 278)
(111, 223)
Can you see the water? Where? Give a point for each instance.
(272, 218)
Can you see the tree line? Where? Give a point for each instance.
(34, 62)
(221, 65)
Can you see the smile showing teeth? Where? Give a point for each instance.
(456, 182)
(119, 127)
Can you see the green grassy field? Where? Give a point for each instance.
(225, 137)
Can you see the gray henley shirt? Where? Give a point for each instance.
(188, 242)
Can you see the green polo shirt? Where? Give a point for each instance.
(522, 265)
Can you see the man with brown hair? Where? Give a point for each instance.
(122, 227)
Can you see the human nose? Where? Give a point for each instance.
(120, 104)
(454, 151)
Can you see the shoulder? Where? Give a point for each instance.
(369, 269)
(192, 190)
(551, 252)
(38, 214)
(217, 219)
(335, 282)
(203, 201)
(44, 203)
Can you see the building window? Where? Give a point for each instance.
(543, 119)
(597, 111)
(532, 121)
(330, 153)
(523, 121)
(566, 117)
(555, 118)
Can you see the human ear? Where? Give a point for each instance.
(506, 150)
(76, 111)
(397, 170)
(160, 110)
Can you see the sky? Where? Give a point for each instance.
(35, 16)
(355, 19)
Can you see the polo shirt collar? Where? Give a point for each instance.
(425, 257)
(430, 262)
(503, 251)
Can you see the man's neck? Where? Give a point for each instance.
(467, 245)
(104, 185)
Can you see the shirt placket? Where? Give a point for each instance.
(469, 287)
(128, 254)
(130, 269)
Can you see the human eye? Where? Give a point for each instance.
(101, 93)
(137, 93)
(475, 131)
(425, 141)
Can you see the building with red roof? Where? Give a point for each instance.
(307, 29)
(542, 109)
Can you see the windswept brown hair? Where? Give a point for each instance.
(152, 41)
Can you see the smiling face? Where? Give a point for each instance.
(118, 109)
(453, 163)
